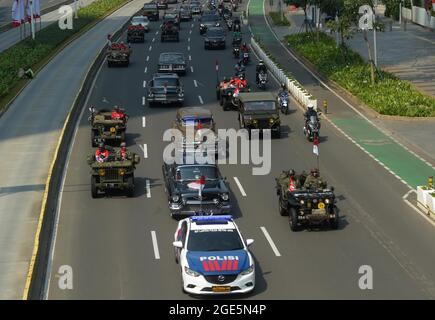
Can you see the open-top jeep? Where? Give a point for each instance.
(114, 174)
(306, 206)
(105, 128)
(118, 53)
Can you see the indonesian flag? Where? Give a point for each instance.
(316, 146)
(292, 185)
(36, 10)
(198, 185)
(17, 13)
(433, 4)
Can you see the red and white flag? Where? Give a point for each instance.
(198, 185)
(35, 9)
(18, 13)
(316, 146)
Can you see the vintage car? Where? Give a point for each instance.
(258, 110)
(172, 62)
(141, 21)
(170, 32)
(135, 33)
(118, 53)
(214, 38)
(165, 88)
(196, 189)
(113, 174)
(151, 11)
(195, 8)
(185, 13)
(208, 21)
(105, 128)
(199, 120)
(172, 17)
(228, 94)
(306, 206)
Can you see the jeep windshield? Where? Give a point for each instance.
(168, 82)
(260, 106)
(214, 240)
(191, 173)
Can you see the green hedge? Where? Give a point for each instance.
(389, 96)
(29, 53)
(277, 19)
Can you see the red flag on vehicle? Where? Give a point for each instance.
(18, 13)
(198, 185)
(316, 146)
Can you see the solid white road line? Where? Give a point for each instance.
(143, 101)
(155, 245)
(242, 191)
(191, 69)
(148, 189)
(200, 100)
(144, 83)
(269, 239)
(144, 122)
(195, 83)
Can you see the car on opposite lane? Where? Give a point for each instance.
(215, 38)
(213, 256)
(165, 88)
(172, 62)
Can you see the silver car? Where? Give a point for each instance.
(141, 20)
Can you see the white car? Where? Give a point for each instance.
(213, 256)
(141, 20)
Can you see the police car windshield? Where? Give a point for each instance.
(260, 105)
(214, 240)
(195, 173)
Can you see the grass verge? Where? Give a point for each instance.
(36, 53)
(388, 96)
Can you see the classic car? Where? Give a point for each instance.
(214, 38)
(185, 13)
(207, 21)
(170, 32)
(151, 11)
(165, 88)
(195, 188)
(172, 62)
(258, 110)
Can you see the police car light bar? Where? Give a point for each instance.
(212, 218)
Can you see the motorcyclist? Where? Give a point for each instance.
(283, 90)
(313, 181)
(118, 114)
(311, 112)
(260, 68)
(236, 24)
(101, 154)
(244, 48)
(239, 67)
(237, 37)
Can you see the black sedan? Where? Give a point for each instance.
(207, 21)
(194, 189)
(172, 62)
(215, 38)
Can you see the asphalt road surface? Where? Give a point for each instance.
(108, 244)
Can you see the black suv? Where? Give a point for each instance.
(165, 88)
(214, 38)
(208, 21)
(182, 182)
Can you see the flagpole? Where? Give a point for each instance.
(32, 20)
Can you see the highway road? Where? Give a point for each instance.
(108, 244)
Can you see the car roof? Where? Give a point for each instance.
(211, 223)
(165, 75)
(256, 96)
(215, 29)
(194, 111)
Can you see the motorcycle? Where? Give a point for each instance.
(312, 128)
(236, 52)
(236, 27)
(262, 79)
(283, 101)
(245, 58)
(229, 24)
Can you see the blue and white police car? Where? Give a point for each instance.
(213, 256)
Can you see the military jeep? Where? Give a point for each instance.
(105, 129)
(306, 207)
(115, 174)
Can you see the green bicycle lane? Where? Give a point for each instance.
(406, 165)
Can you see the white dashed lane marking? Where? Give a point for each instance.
(143, 101)
(269, 239)
(200, 100)
(148, 189)
(242, 191)
(144, 83)
(144, 122)
(155, 245)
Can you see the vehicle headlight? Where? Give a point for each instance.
(215, 201)
(101, 172)
(175, 198)
(121, 172)
(190, 272)
(225, 196)
(271, 120)
(201, 25)
(326, 200)
(302, 202)
(181, 93)
(150, 94)
(248, 271)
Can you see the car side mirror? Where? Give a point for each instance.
(178, 244)
(249, 242)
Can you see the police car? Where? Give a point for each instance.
(213, 256)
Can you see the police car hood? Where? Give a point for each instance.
(218, 262)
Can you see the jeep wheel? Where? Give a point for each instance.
(218, 94)
(293, 219)
(130, 188)
(334, 222)
(94, 189)
(109, 64)
(122, 137)
(282, 210)
(276, 134)
(93, 142)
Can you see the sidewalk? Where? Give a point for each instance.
(405, 63)
(30, 132)
(350, 118)
(11, 37)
